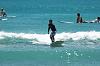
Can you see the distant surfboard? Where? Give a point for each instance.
(57, 44)
(11, 16)
(3, 19)
(66, 22)
(6, 18)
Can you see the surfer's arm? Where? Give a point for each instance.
(48, 29)
(5, 14)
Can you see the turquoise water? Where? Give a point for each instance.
(24, 40)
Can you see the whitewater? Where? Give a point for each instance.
(45, 39)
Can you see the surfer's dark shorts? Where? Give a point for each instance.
(53, 33)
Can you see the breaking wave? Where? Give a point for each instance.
(44, 38)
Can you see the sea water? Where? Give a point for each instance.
(24, 38)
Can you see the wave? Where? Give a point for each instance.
(44, 38)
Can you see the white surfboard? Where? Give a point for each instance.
(11, 16)
(66, 22)
(4, 19)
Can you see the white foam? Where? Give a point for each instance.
(44, 38)
(92, 35)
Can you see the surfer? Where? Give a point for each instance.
(97, 20)
(53, 29)
(2, 13)
(79, 18)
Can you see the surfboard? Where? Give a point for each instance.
(57, 44)
(11, 16)
(68, 22)
(4, 19)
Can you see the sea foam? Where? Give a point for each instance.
(45, 39)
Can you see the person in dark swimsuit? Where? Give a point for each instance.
(53, 29)
(98, 19)
(3, 13)
(79, 18)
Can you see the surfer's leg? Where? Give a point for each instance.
(54, 33)
(52, 37)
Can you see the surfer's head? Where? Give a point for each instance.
(98, 18)
(2, 9)
(50, 21)
(78, 14)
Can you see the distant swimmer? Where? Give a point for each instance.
(97, 20)
(53, 29)
(2, 13)
(79, 18)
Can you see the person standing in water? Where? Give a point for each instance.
(79, 18)
(2, 13)
(97, 20)
(53, 30)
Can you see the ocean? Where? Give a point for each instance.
(24, 38)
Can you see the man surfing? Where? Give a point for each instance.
(53, 29)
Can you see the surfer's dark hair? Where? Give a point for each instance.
(50, 20)
(78, 14)
(98, 17)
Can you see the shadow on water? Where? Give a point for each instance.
(57, 44)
